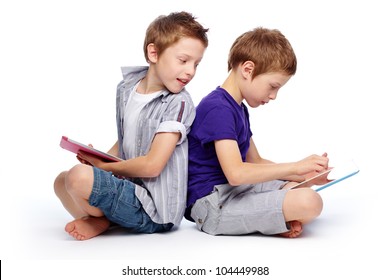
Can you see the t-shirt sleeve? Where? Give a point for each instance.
(217, 124)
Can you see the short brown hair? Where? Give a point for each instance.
(165, 31)
(268, 49)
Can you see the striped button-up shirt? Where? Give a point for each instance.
(162, 197)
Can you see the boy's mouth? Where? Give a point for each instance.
(183, 81)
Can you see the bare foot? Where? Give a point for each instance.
(87, 227)
(296, 229)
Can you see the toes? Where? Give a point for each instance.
(70, 227)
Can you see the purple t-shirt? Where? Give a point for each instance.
(218, 116)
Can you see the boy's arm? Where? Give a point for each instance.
(149, 165)
(253, 156)
(238, 172)
(114, 150)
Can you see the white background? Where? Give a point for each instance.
(59, 66)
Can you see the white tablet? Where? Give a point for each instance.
(301, 184)
(340, 177)
(335, 174)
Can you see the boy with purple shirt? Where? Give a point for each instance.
(232, 189)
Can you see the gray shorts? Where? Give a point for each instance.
(242, 210)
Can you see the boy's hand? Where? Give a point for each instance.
(89, 159)
(81, 159)
(320, 180)
(313, 163)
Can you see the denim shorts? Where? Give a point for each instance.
(242, 209)
(116, 198)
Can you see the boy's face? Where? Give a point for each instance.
(264, 88)
(176, 66)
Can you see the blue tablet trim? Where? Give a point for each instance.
(336, 181)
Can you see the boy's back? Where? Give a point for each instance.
(218, 116)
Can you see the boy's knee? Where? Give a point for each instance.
(59, 184)
(312, 202)
(76, 177)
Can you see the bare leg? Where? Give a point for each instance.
(67, 201)
(79, 183)
(74, 189)
(300, 206)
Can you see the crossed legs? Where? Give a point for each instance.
(300, 206)
(73, 188)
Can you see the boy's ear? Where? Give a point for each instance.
(247, 69)
(152, 53)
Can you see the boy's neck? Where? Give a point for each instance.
(232, 87)
(148, 85)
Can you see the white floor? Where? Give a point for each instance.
(349, 239)
(59, 68)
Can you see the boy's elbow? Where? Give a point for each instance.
(235, 178)
(153, 169)
(234, 182)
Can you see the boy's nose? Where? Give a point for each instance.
(272, 96)
(190, 70)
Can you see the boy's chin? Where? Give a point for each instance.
(175, 89)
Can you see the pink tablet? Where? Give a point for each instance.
(75, 147)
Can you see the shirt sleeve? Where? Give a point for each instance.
(217, 124)
(178, 117)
